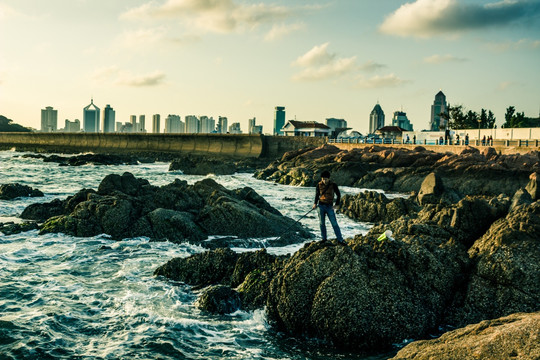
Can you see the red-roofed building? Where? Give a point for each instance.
(305, 128)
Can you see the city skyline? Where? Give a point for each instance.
(241, 60)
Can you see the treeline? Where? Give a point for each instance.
(7, 125)
(460, 118)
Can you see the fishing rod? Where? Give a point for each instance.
(296, 222)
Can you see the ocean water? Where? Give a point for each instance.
(63, 297)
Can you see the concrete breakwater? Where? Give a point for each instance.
(229, 145)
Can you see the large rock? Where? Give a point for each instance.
(371, 206)
(13, 191)
(369, 295)
(506, 275)
(513, 337)
(197, 166)
(94, 159)
(125, 206)
(533, 187)
(219, 299)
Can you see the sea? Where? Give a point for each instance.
(65, 297)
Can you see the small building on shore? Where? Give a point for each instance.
(305, 128)
(390, 132)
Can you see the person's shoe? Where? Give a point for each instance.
(323, 241)
(342, 242)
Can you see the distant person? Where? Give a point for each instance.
(324, 199)
(408, 139)
(466, 139)
(457, 139)
(414, 139)
(484, 141)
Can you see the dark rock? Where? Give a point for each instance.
(197, 166)
(11, 228)
(13, 191)
(96, 159)
(219, 299)
(369, 294)
(533, 187)
(371, 206)
(505, 277)
(125, 207)
(511, 337)
(521, 197)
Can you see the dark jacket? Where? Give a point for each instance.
(324, 193)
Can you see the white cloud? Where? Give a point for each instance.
(282, 30)
(371, 66)
(116, 76)
(426, 18)
(440, 59)
(390, 80)
(220, 16)
(319, 64)
(7, 12)
(139, 37)
(513, 45)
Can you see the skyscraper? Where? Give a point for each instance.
(72, 126)
(192, 124)
(109, 120)
(142, 124)
(49, 119)
(279, 120)
(173, 124)
(156, 119)
(222, 125)
(439, 107)
(235, 128)
(376, 119)
(400, 119)
(207, 125)
(91, 118)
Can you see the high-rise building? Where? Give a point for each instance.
(193, 124)
(376, 119)
(142, 124)
(222, 125)
(279, 120)
(173, 124)
(109, 119)
(91, 118)
(400, 119)
(49, 119)
(72, 126)
(336, 126)
(207, 124)
(156, 119)
(235, 128)
(251, 125)
(439, 107)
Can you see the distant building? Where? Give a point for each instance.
(376, 119)
(109, 120)
(279, 120)
(336, 126)
(133, 122)
(142, 124)
(439, 107)
(91, 118)
(305, 128)
(193, 124)
(235, 128)
(126, 128)
(49, 119)
(207, 124)
(390, 132)
(253, 128)
(400, 120)
(173, 125)
(222, 125)
(72, 126)
(156, 120)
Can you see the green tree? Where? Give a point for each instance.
(7, 125)
(518, 119)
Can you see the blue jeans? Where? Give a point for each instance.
(328, 210)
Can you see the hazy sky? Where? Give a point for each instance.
(240, 59)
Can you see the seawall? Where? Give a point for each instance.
(225, 145)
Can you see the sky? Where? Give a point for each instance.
(241, 59)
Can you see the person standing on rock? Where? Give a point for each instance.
(324, 199)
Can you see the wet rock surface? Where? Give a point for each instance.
(204, 165)
(13, 191)
(125, 206)
(94, 159)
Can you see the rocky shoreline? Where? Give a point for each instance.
(456, 260)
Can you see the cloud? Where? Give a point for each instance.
(7, 12)
(117, 76)
(506, 85)
(426, 18)
(377, 81)
(319, 64)
(513, 45)
(136, 38)
(440, 59)
(219, 16)
(279, 31)
(371, 66)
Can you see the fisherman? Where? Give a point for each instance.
(324, 198)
